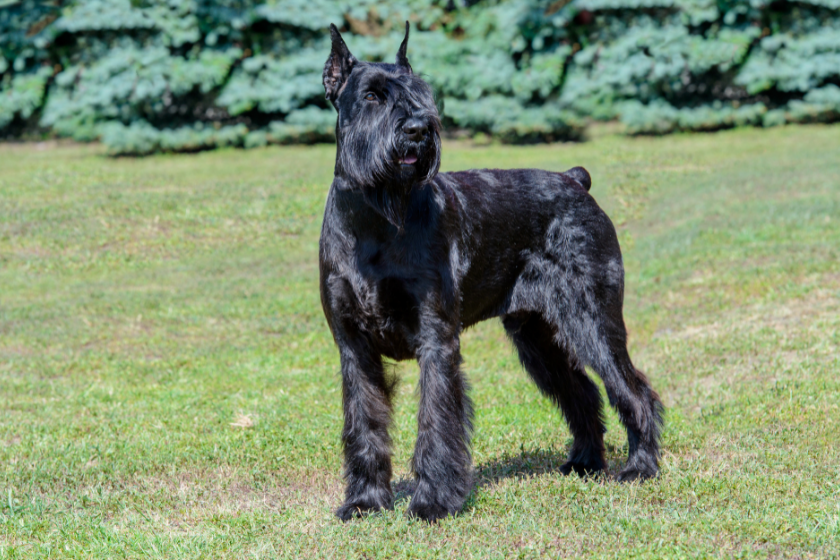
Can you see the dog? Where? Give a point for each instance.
(410, 257)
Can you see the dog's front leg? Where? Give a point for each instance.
(442, 455)
(367, 413)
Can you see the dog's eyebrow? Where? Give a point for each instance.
(386, 83)
(374, 79)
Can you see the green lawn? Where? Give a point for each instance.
(169, 387)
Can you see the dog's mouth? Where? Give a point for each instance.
(410, 158)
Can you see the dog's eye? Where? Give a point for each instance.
(371, 97)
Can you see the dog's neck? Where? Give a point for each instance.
(398, 207)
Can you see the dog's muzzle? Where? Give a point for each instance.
(413, 142)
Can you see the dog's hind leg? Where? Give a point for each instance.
(366, 394)
(562, 379)
(600, 340)
(583, 300)
(638, 406)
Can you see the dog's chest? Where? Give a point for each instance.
(388, 294)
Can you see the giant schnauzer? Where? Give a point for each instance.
(410, 257)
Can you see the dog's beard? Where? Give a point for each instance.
(391, 197)
(406, 176)
(373, 159)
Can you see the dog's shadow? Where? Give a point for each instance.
(526, 463)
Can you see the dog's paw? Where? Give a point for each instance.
(640, 466)
(631, 473)
(356, 508)
(581, 469)
(428, 512)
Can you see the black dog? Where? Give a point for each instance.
(410, 257)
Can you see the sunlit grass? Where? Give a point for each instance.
(169, 388)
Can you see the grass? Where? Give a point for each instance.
(168, 386)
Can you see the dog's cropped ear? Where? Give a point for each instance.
(402, 60)
(338, 66)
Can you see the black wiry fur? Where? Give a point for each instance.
(409, 257)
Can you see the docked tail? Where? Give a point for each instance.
(580, 175)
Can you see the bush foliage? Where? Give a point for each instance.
(179, 75)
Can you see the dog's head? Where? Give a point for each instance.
(388, 129)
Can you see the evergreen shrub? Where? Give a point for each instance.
(183, 75)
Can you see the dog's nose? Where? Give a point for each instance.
(415, 129)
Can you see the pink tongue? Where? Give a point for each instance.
(409, 160)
